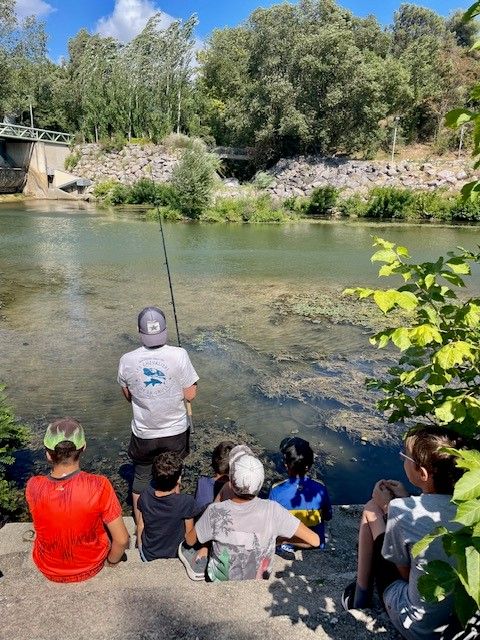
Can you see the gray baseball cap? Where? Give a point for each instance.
(152, 327)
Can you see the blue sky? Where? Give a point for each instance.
(123, 19)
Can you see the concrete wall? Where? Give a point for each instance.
(19, 152)
(11, 180)
(56, 155)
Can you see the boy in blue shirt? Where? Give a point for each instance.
(303, 496)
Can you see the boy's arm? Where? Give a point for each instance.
(404, 572)
(119, 535)
(304, 534)
(127, 394)
(190, 533)
(140, 528)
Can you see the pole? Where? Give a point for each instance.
(462, 131)
(187, 402)
(396, 119)
(31, 115)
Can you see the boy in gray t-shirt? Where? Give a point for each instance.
(244, 530)
(385, 542)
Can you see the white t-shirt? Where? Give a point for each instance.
(243, 537)
(409, 520)
(156, 379)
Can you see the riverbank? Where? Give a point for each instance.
(156, 601)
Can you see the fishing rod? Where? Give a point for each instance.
(172, 297)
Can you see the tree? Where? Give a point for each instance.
(12, 436)
(460, 117)
(436, 382)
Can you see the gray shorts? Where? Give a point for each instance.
(143, 470)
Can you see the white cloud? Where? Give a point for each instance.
(129, 18)
(37, 8)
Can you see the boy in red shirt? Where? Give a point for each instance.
(69, 508)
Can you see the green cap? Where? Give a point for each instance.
(64, 430)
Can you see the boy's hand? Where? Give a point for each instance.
(397, 489)
(382, 495)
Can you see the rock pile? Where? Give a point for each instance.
(133, 162)
(293, 177)
(300, 176)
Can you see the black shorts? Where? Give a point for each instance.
(384, 571)
(143, 453)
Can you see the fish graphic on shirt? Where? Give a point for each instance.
(154, 375)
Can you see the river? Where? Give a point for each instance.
(73, 278)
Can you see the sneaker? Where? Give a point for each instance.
(195, 567)
(286, 551)
(348, 596)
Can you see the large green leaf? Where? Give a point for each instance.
(458, 265)
(467, 459)
(385, 299)
(406, 300)
(468, 513)
(439, 580)
(450, 411)
(425, 334)
(425, 542)
(384, 255)
(453, 354)
(472, 11)
(458, 117)
(472, 557)
(400, 338)
(468, 487)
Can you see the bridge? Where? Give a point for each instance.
(233, 153)
(33, 160)
(29, 134)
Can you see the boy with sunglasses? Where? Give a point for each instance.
(393, 521)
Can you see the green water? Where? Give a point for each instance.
(73, 278)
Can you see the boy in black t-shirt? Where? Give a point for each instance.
(166, 515)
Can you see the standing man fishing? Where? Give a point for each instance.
(156, 379)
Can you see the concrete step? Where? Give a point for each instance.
(156, 600)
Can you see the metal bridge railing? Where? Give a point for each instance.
(17, 132)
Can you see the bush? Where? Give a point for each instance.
(177, 141)
(12, 437)
(253, 209)
(353, 206)
(465, 210)
(142, 191)
(118, 194)
(263, 180)
(102, 189)
(298, 204)
(389, 202)
(113, 145)
(427, 205)
(322, 201)
(194, 179)
(167, 213)
(166, 195)
(72, 160)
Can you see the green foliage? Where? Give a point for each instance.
(12, 437)
(72, 160)
(167, 213)
(194, 179)
(177, 141)
(437, 381)
(389, 202)
(246, 209)
(322, 201)
(118, 194)
(355, 206)
(113, 145)
(263, 180)
(142, 191)
(430, 204)
(166, 195)
(459, 117)
(102, 189)
(298, 204)
(468, 210)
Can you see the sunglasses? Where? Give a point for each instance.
(405, 457)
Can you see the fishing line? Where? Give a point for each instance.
(172, 297)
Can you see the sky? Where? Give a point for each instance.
(124, 19)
